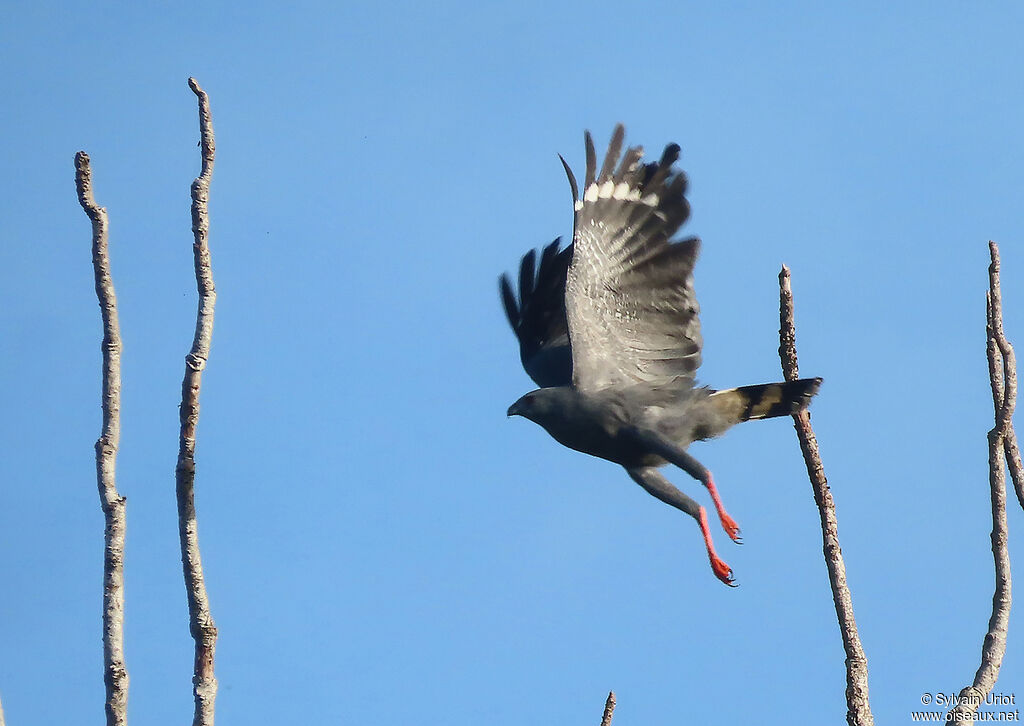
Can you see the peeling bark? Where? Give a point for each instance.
(115, 674)
(201, 625)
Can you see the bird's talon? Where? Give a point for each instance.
(731, 528)
(722, 571)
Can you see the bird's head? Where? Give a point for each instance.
(524, 406)
(540, 405)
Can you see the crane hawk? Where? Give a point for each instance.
(608, 328)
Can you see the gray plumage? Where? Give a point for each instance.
(629, 294)
(538, 316)
(609, 329)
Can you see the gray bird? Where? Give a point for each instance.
(609, 328)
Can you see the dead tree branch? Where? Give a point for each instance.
(1004, 414)
(201, 625)
(115, 675)
(2, 715)
(858, 707)
(1002, 447)
(609, 709)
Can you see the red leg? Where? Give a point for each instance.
(659, 486)
(728, 523)
(722, 571)
(681, 458)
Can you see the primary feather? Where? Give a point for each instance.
(538, 315)
(632, 313)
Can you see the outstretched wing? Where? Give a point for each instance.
(631, 308)
(538, 315)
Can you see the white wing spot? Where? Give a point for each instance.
(651, 200)
(579, 205)
(621, 191)
(591, 193)
(606, 189)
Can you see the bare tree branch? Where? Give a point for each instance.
(1002, 448)
(858, 707)
(2, 722)
(606, 718)
(1004, 414)
(115, 675)
(201, 625)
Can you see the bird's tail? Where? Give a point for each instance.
(766, 400)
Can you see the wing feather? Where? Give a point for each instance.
(538, 316)
(527, 275)
(614, 149)
(631, 311)
(629, 162)
(588, 141)
(572, 179)
(508, 299)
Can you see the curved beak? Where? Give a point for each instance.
(513, 410)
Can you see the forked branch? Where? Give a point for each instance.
(858, 711)
(201, 625)
(115, 675)
(1002, 453)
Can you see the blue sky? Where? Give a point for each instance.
(380, 542)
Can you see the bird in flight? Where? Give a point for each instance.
(608, 328)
